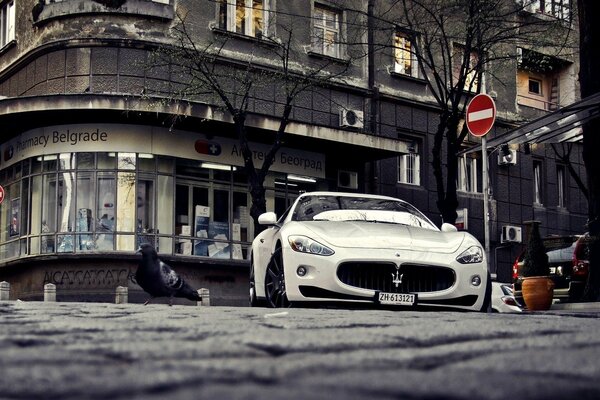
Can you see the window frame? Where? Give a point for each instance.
(466, 177)
(7, 23)
(409, 164)
(400, 67)
(561, 186)
(227, 17)
(538, 183)
(318, 42)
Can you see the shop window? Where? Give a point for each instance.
(246, 17)
(85, 205)
(105, 205)
(7, 23)
(145, 212)
(326, 31)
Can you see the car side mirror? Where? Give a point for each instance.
(446, 227)
(268, 218)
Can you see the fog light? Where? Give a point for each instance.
(475, 280)
(301, 271)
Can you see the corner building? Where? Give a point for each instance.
(95, 158)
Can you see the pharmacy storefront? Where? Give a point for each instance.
(79, 199)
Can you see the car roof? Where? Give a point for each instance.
(351, 194)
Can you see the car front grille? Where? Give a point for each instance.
(415, 278)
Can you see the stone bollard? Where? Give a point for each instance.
(121, 295)
(205, 295)
(4, 290)
(49, 292)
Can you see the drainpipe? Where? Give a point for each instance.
(372, 166)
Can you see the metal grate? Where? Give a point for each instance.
(414, 278)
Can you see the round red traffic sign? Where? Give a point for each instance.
(1, 194)
(481, 114)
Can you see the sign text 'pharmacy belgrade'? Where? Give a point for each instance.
(68, 137)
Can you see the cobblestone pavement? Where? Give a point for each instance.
(128, 351)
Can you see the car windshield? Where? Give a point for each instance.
(367, 209)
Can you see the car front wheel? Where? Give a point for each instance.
(275, 282)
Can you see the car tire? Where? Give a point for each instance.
(275, 289)
(487, 297)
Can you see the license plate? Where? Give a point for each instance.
(397, 299)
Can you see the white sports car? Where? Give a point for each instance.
(378, 250)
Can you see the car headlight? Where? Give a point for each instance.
(305, 244)
(472, 255)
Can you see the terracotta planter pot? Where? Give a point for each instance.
(538, 292)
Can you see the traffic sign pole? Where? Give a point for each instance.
(486, 198)
(481, 115)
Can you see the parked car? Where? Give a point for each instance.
(503, 299)
(374, 250)
(568, 257)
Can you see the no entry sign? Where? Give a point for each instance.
(481, 114)
(1, 194)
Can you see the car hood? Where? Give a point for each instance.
(361, 234)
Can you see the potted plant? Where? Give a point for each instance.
(537, 287)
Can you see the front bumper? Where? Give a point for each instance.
(326, 278)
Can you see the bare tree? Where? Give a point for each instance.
(213, 69)
(455, 43)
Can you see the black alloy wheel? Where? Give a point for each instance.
(275, 282)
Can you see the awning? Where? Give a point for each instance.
(563, 125)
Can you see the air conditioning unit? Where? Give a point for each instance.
(507, 158)
(347, 179)
(511, 234)
(351, 118)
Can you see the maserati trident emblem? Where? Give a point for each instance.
(397, 277)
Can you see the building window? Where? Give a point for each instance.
(471, 70)
(535, 86)
(246, 17)
(543, 81)
(409, 165)
(405, 62)
(326, 31)
(561, 184)
(537, 183)
(467, 174)
(560, 9)
(7, 23)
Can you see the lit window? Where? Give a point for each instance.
(326, 32)
(404, 59)
(7, 23)
(467, 175)
(537, 183)
(409, 165)
(246, 17)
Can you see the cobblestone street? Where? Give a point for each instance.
(107, 351)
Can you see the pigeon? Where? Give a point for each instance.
(159, 280)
